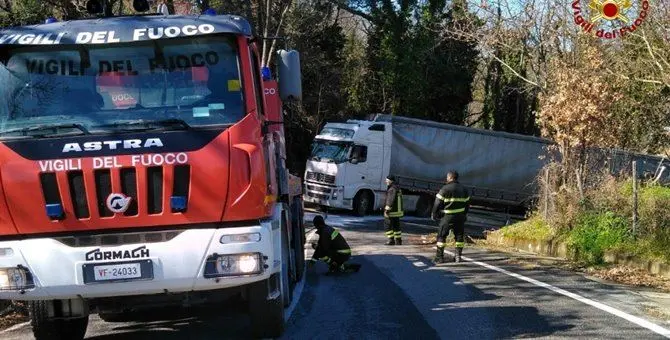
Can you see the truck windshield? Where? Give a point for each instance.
(330, 151)
(195, 80)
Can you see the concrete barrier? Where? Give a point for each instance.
(560, 249)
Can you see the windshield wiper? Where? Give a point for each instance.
(42, 127)
(143, 124)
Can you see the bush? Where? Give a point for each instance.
(534, 228)
(654, 210)
(596, 233)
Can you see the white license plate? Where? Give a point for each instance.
(117, 272)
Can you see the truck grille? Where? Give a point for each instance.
(321, 190)
(86, 204)
(319, 177)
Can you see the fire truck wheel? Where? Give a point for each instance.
(285, 263)
(267, 316)
(45, 328)
(298, 238)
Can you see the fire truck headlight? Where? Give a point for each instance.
(234, 264)
(16, 278)
(241, 238)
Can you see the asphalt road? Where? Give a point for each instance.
(400, 294)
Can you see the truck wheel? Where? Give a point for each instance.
(267, 316)
(45, 328)
(423, 206)
(362, 203)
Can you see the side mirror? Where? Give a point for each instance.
(290, 83)
(354, 160)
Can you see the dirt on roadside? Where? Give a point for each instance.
(614, 273)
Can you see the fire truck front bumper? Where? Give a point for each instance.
(138, 263)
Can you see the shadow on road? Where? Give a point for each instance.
(180, 323)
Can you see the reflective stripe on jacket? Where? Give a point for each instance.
(394, 202)
(330, 243)
(454, 199)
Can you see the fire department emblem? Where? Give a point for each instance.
(118, 203)
(610, 19)
(610, 9)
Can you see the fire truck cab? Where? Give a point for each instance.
(142, 163)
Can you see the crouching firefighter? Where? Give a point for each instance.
(452, 203)
(332, 248)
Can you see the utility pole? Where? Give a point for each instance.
(634, 199)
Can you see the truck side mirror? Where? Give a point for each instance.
(290, 84)
(354, 160)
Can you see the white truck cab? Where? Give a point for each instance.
(348, 166)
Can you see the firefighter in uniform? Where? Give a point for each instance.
(393, 212)
(452, 203)
(332, 248)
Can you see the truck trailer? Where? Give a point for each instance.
(350, 161)
(142, 164)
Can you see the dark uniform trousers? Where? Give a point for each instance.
(392, 226)
(455, 223)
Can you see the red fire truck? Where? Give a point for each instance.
(142, 163)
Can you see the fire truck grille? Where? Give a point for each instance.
(80, 187)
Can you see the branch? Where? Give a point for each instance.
(265, 33)
(515, 72)
(341, 5)
(625, 77)
(274, 42)
(651, 52)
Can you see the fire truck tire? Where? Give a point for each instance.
(285, 263)
(45, 328)
(267, 316)
(298, 238)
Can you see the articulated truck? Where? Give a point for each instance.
(350, 161)
(142, 164)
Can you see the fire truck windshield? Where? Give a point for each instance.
(195, 80)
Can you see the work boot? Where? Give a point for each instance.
(457, 258)
(439, 255)
(352, 267)
(390, 242)
(398, 241)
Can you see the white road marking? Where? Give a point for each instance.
(634, 319)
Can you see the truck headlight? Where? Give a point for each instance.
(234, 265)
(15, 278)
(241, 238)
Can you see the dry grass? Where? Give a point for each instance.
(630, 276)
